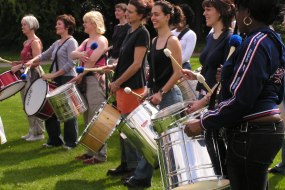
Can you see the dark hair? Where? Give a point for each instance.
(143, 7)
(175, 12)
(68, 21)
(225, 7)
(122, 6)
(188, 13)
(265, 11)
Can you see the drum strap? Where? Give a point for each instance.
(55, 57)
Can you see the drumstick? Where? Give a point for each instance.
(5, 61)
(128, 90)
(42, 72)
(202, 80)
(24, 75)
(81, 69)
(200, 77)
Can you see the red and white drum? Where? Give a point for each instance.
(10, 84)
(36, 103)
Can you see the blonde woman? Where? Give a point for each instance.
(93, 24)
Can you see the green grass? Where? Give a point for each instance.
(28, 166)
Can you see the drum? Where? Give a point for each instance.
(10, 84)
(35, 102)
(139, 133)
(66, 102)
(187, 88)
(185, 162)
(163, 119)
(100, 127)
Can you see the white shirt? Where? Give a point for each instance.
(188, 43)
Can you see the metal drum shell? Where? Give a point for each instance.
(187, 88)
(137, 130)
(67, 102)
(163, 119)
(184, 160)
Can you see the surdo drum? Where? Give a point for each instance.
(100, 127)
(10, 84)
(35, 102)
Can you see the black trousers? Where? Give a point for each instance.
(250, 152)
(70, 126)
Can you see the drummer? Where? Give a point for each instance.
(164, 73)
(130, 73)
(252, 86)
(32, 47)
(90, 83)
(61, 71)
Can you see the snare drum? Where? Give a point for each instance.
(66, 102)
(35, 103)
(187, 88)
(139, 132)
(163, 119)
(10, 84)
(185, 162)
(100, 127)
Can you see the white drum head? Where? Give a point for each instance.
(11, 90)
(35, 96)
(59, 89)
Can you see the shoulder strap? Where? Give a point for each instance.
(152, 57)
(55, 57)
(182, 33)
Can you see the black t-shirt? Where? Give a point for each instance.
(119, 34)
(138, 38)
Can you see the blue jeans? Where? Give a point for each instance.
(250, 153)
(144, 170)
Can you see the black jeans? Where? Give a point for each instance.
(70, 126)
(250, 152)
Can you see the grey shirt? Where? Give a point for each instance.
(63, 60)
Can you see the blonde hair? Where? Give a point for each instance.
(96, 18)
(31, 21)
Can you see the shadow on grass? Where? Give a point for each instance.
(14, 176)
(86, 185)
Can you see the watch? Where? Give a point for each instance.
(162, 92)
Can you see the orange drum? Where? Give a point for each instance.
(10, 84)
(100, 128)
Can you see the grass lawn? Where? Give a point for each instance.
(28, 166)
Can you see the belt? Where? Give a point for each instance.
(254, 126)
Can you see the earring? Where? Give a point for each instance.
(247, 21)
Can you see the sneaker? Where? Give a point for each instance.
(67, 147)
(133, 183)
(35, 138)
(26, 136)
(47, 145)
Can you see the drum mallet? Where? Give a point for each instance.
(24, 75)
(128, 90)
(200, 78)
(5, 61)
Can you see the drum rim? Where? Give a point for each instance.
(60, 90)
(43, 103)
(20, 81)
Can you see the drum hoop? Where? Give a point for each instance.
(43, 103)
(20, 81)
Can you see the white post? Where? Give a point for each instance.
(2, 133)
